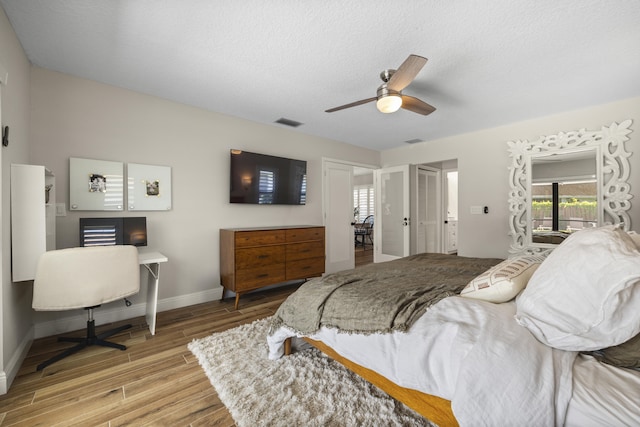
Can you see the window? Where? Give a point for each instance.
(303, 190)
(573, 203)
(266, 187)
(363, 202)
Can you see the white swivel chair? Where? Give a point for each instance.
(85, 277)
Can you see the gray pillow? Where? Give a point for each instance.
(625, 355)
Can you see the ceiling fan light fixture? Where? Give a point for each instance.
(389, 103)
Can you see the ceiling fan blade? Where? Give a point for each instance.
(416, 105)
(406, 72)
(353, 104)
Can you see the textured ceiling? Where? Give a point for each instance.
(490, 62)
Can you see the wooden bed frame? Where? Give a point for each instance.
(434, 408)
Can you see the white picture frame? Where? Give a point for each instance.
(95, 185)
(148, 187)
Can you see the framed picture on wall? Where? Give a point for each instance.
(95, 185)
(148, 187)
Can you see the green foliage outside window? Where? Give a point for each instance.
(585, 209)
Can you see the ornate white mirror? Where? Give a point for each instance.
(563, 183)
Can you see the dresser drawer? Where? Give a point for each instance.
(251, 258)
(296, 251)
(304, 234)
(305, 268)
(252, 278)
(259, 238)
(259, 256)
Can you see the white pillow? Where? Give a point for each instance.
(586, 294)
(504, 281)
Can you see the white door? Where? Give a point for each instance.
(338, 216)
(391, 227)
(3, 381)
(427, 232)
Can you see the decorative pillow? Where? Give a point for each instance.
(585, 295)
(626, 355)
(504, 281)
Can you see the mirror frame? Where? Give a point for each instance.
(613, 178)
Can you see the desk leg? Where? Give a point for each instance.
(152, 295)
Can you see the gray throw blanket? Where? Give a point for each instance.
(381, 297)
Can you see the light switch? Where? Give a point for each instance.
(476, 210)
(61, 209)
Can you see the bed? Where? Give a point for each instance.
(531, 340)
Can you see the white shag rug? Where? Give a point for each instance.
(304, 389)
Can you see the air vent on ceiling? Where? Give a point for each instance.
(414, 141)
(288, 122)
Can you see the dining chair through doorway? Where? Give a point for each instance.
(364, 231)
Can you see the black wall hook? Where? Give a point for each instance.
(5, 136)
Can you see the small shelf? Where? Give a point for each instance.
(33, 220)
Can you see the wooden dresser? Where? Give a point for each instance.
(251, 258)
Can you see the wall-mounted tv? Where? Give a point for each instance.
(267, 180)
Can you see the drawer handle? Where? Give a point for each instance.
(260, 276)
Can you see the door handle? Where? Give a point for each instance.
(353, 223)
(405, 221)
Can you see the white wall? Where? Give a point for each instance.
(15, 298)
(483, 163)
(72, 117)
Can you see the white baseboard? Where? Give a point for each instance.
(106, 315)
(190, 299)
(13, 366)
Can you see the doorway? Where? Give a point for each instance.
(446, 200)
(426, 210)
(363, 215)
(450, 231)
(338, 212)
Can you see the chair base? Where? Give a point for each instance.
(89, 340)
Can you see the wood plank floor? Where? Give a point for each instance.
(363, 255)
(156, 381)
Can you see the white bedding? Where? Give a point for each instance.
(493, 370)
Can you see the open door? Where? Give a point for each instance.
(338, 213)
(391, 228)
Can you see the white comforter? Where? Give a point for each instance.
(470, 352)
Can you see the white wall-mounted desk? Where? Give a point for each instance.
(151, 261)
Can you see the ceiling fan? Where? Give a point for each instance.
(389, 98)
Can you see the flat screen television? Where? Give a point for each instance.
(267, 180)
(113, 231)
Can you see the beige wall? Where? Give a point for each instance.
(483, 163)
(72, 117)
(15, 298)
